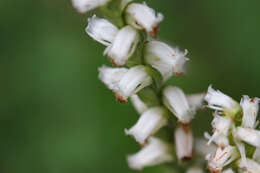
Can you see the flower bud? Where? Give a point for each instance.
(221, 102)
(175, 100)
(250, 167)
(141, 16)
(195, 170)
(125, 82)
(84, 6)
(101, 30)
(155, 152)
(184, 143)
(221, 158)
(250, 110)
(165, 59)
(123, 46)
(248, 135)
(138, 104)
(148, 124)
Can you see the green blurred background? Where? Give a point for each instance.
(57, 117)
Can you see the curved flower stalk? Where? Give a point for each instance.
(234, 133)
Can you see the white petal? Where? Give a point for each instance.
(123, 46)
(149, 123)
(134, 80)
(184, 143)
(219, 101)
(196, 101)
(138, 104)
(155, 152)
(165, 59)
(111, 76)
(86, 5)
(201, 148)
(141, 16)
(175, 100)
(101, 30)
(248, 135)
(250, 110)
(251, 167)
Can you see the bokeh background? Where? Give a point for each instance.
(57, 117)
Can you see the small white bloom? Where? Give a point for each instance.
(101, 30)
(220, 140)
(250, 110)
(148, 124)
(175, 100)
(202, 148)
(221, 102)
(138, 104)
(228, 171)
(196, 101)
(84, 6)
(125, 82)
(141, 16)
(165, 59)
(195, 170)
(221, 158)
(155, 152)
(251, 167)
(256, 155)
(123, 45)
(184, 143)
(248, 135)
(221, 126)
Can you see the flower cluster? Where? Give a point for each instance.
(234, 133)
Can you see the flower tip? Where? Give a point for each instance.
(121, 98)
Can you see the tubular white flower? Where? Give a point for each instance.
(248, 135)
(221, 158)
(148, 124)
(195, 170)
(111, 76)
(84, 6)
(165, 59)
(141, 16)
(251, 167)
(123, 45)
(175, 100)
(184, 143)
(155, 152)
(138, 104)
(196, 101)
(250, 110)
(202, 148)
(221, 102)
(256, 155)
(228, 171)
(221, 126)
(101, 30)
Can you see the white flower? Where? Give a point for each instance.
(195, 170)
(196, 101)
(125, 82)
(202, 148)
(184, 143)
(250, 110)
(256, 155)
(220, 140)
(221, 158)
(251, 167)
(141, 16)
(221, 102)
(165, 59)
(86, 5)
(123, 46)
(148, 124)
(101, 30)
(138, 104)
(228, 171)
(221, 126)
(248, 135)
(155, 152)
(175, 100)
